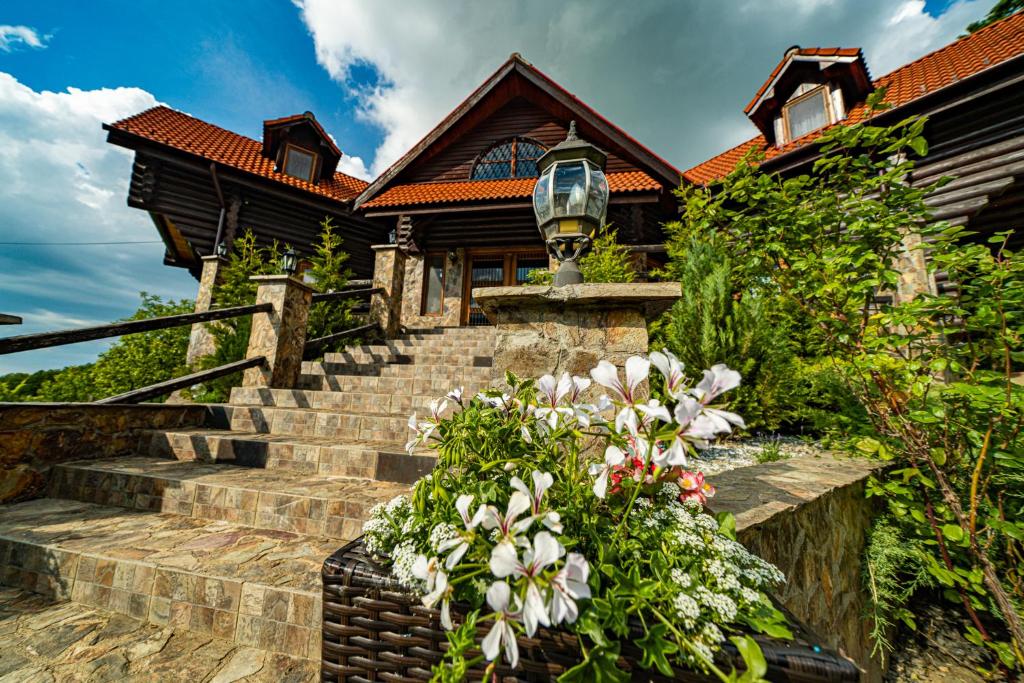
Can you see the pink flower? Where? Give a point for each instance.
(694, 487)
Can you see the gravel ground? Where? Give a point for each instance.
(936, 652)
(729, 455)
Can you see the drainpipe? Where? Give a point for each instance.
(223, 207)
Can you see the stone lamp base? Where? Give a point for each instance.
(544, 329)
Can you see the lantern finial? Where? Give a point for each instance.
(572, 131)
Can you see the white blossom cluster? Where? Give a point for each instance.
(388, 523)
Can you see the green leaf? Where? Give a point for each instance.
(657, 649)
(953, 532)
(753, 658)
(600, 666)
(919, 145)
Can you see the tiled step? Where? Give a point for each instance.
(334, 507)
(352, 400)
(254, 587)
(453, 374)
(383, 461)
(453, 358)
(318, 380)
(46, 640)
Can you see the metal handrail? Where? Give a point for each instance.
(166, 387)
(320, 297)
(43, 340)
(313, 345)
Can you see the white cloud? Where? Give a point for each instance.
(675, 75)
(13, 36)
(60, 181)
(354, 166)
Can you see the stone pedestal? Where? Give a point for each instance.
(201, 342)
(280, 335)
(389, 275)
(544, 330)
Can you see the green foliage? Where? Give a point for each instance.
(935, 374)
(132, 362)
(606, 261)
(999, 11)
(715, 322)
(329, 274)
(771, 451)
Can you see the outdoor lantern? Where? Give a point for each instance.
(570, 201)
(222, 249)
(289, 262)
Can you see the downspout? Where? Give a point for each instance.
(223, 207)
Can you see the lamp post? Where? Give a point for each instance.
(570, 201)
(289, 262)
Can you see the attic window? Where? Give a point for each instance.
(299, 163)
(806, 113)
(515, 158)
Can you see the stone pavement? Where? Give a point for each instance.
(195, 554)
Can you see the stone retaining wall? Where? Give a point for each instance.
(36, 436)
(809, 517)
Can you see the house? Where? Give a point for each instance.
(972, 92)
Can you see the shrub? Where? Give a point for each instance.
(606, 261)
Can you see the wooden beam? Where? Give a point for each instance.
(26, 342)
(164, 388)
(9, 319)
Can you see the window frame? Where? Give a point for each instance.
(312, 165)
(514, 141)
(821, 90)
(443, 255)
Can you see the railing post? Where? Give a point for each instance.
(280, 335)
(201, 342)
(389, 275)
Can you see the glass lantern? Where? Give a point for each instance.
(570, 201)
(289, 262)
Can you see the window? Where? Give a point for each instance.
(515, 158)
(299, 163)
(433, 284)
(806, 113)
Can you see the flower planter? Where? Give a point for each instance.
(373, 630)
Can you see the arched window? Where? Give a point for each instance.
(515, 158)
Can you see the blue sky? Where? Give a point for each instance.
(378, 75)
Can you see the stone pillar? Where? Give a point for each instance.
(389, 275)
(280, 335)
(913, 266)
(542, 330)
(201, 342)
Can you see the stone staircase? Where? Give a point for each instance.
(221, 531)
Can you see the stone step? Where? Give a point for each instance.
(328, 424)
(448, 357)
(46, 640)
(367, 402)
(482, 332)
(454, 374)
(382, 461)
(334, 507)
(441, 345)
(254, 587)
(373, 384)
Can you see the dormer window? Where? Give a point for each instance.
(515, 158)
(299, 163)
(806, 113)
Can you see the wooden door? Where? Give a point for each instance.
(493, 268)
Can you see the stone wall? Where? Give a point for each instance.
(810, 518)
(36, 436)
(412, 293)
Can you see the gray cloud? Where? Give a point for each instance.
(676, 75)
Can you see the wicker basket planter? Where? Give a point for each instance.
(373, 630)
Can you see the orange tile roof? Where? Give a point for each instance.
(189, 134)
(802, 52)
(506, 188)
(966, 57)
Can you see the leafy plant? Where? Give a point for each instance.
(771, 451)
(329, 274)
(543, 510)
(935, 374)
(606, 261)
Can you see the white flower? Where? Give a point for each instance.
(438, 589)
(456, 395)
(461, 543)
(543, 552)
(672, 369)
(437, 407)
(607, 375)
(501, 636)
(653, 410)
(542, 481)
(506, 524)
(718, 380)
(423, 430)
(723, 418)
(552, 392)
(579, 385)
(568, 586)
(613, 456)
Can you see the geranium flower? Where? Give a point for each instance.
(672, 369)
(438, 589)
(543, 552)
(579, 385)
(694, 487)
(456, 395)
(461, 543)
(607, 375)
(718, 380)
(568, 586)
(501, 636)
(437, 407)
(613, 457)
(423, 431)
(542, 481)
(552, 392)
(653, 410)
(507, 523)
